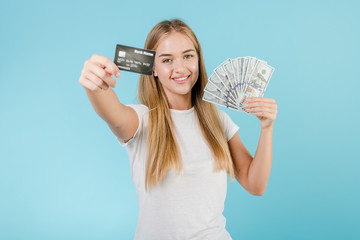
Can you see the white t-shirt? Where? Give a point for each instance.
(180, 207)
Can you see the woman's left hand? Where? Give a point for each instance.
(264, 108)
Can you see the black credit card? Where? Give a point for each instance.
(135, 60)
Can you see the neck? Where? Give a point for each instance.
(180, 102)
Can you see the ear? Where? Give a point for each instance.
(155, 74)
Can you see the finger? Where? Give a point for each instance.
(261, 109)
(115, 72)
(97, 81)
(105, 63)
(261, 99)
(260, 104)
(110, 81)
(89, 85)
(102, 74)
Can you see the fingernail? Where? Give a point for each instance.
(117, 75)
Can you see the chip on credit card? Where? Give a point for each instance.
(135, 60)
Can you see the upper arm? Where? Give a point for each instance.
(127, 125)
(241, 159)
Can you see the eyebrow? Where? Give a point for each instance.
(167, 54)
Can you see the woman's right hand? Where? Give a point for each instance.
(97, 72)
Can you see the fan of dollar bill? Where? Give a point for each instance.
(235, 80)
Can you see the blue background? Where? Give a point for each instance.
(63, 174)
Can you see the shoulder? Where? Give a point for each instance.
(230, 128)
(139, 108)
(223, 115)
(141, 112)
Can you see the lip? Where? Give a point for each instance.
(182, 81)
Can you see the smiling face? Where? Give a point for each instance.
(177, 68)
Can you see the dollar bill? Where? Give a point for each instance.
(214, 90)
(235, 66)
(243, 76)
(216, 80)
(235, 80)
(226, 102)
(258, 81)
(230, 73)
(241, 72)
(213, 99)
(220, 72)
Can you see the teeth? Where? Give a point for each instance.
(180, 79)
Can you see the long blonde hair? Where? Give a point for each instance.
(163, 149)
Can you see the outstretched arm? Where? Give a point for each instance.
(96, 77)
(253, 173)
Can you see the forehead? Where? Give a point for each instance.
(174, 42)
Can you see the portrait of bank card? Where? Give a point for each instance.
(135, 60)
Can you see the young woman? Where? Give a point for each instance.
(180, 147)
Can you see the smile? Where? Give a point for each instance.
(181, 79)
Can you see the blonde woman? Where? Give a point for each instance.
(180, 147)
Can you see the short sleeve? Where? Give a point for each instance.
(229, 126)
(140, 111)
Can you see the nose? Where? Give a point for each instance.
(179, 66)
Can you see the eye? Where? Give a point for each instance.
(166, 60)
(189, 56)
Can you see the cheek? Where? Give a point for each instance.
(162, 71)
(194, 67)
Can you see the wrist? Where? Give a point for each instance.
(268, 128)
